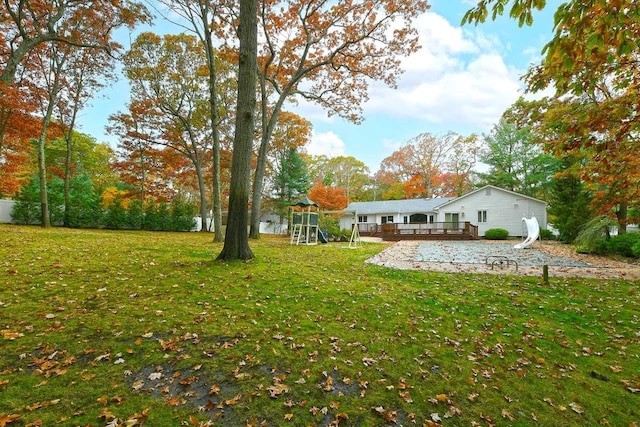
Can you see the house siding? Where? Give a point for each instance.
(504, 210)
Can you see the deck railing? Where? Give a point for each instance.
(419, 229)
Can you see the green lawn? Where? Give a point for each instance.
(128, 328)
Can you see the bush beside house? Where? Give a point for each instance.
(496, 234)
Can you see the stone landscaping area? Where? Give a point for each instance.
(499, 257)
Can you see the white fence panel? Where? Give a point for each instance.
(6, 207)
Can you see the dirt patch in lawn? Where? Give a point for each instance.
(493, 257)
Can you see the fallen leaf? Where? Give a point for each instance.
(173, 401)
(576, 408)
(10, 335)
(507, 414)
(277, 389)
(328, 384)
(288, 417)
(234, 400)
(8, 418)
(390, 416)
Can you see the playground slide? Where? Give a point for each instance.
(533, 231)
(322, 237)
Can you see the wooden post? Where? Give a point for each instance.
(545, 275)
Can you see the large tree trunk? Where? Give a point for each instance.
(203, 198)
(258, 179)
(67, 183)
(261, 163)
(67, 160)
(622, 215)
(213, 105)
(236, 242)
(45, 220)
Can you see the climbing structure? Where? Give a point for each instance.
(305, 228)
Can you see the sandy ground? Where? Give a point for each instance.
(401, 255)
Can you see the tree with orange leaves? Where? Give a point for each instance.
(341, 171)
(430, 166)
(592, 63)
(25, 25)
(170, 106)
(327, 53)
(329, 198)
(28, 26)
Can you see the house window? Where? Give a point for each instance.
(406, 219)
(482, 216)
(386, 219)
(487, 192)
(431, 219)
(362, 218)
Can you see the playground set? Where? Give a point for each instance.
(306, 230)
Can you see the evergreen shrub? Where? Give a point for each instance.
(623, 245)
(547, 234)
(496, 234)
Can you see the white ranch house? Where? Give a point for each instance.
(478, 211)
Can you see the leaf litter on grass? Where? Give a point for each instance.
(304, 336)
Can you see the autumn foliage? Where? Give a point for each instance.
(329, 198)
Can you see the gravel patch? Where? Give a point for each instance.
(471, 257)
(485, 252)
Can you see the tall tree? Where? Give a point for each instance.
(569, 201)
(18, 124)
(395, 170)
(202, 16)
(291, 179)
(169, 86)
(81, 23)
(429, 166)
(236, 241)
(461, 164)
(51, 61)
(291, 133)
(87, 71)
(335, 49)
(27, 26)
(345, 172)
(516, 160)
(592, 63)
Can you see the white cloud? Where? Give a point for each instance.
(327, 144)
(459, 78)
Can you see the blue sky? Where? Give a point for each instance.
(461, 80)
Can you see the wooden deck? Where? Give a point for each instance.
(418, 231)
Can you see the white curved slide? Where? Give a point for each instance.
(533, 231)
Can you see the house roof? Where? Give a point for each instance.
(519, 195)
(409, 206)
(397, 206)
